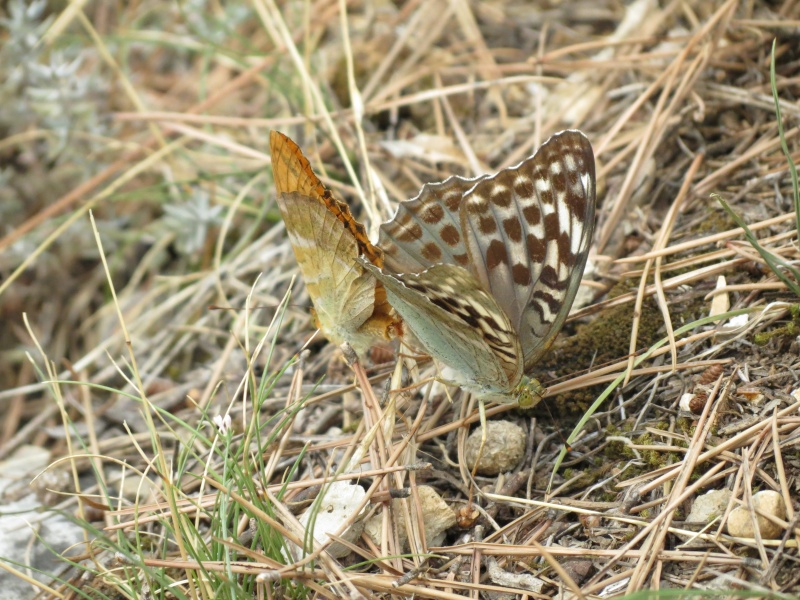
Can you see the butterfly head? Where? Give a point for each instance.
(528, 392)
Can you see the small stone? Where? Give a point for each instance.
(734, 324)
(769, 502)
(138, 489)
(578, 569)
(25, 462)
(337, 507)
(504, 448)
(51, 484)
(437, 518)
(590, 522)
(709, 506)
(466, 516)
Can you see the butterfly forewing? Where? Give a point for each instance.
(293, 173)
(343, 297)
(528, 231)
(350, 305)
(426, 230)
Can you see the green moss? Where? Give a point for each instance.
(788, 330)
(606, 338)
(627, 536)
(615, 450)
(714, 222)
(352, 427)
(686, 426)
(654, 458)
(700, 470)
(588, 477)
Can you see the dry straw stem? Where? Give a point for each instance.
(660, 242)
(676, 101)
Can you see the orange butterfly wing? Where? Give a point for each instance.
(350, 305)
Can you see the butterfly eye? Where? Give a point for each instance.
(529, 392)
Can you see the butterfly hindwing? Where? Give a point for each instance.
(458, 323)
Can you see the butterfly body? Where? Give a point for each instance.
(484, 271)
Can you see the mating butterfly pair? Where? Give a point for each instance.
(482, 271)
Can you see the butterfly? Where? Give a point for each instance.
(484, 271)
(350, 305)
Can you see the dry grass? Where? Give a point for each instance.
(384, 97)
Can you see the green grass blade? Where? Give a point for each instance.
(781, 134)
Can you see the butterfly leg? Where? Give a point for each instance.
(482, 415)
